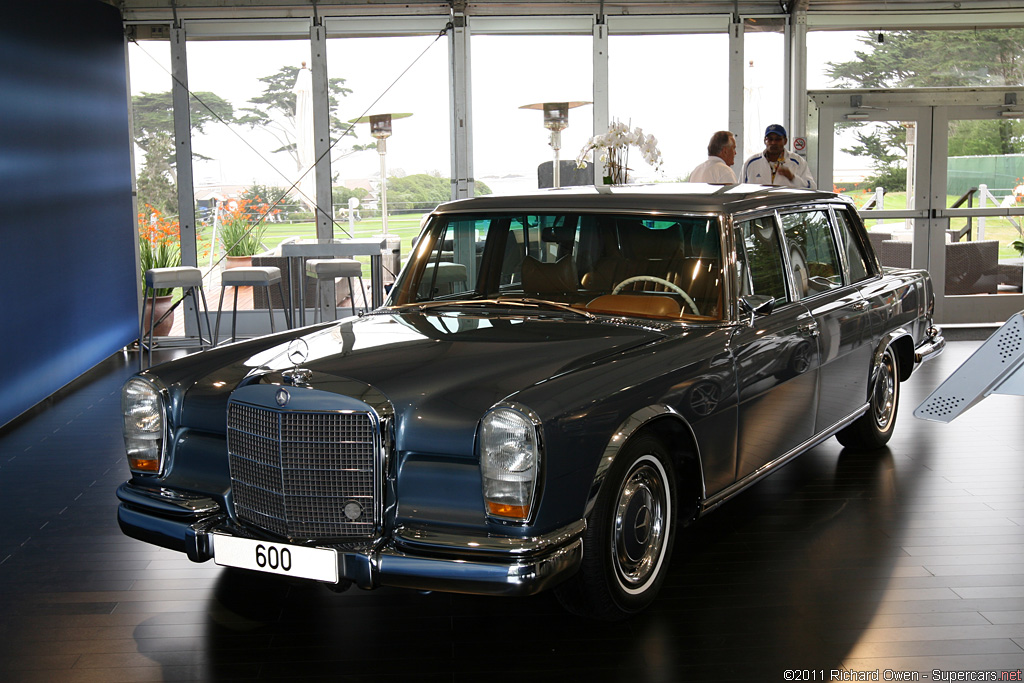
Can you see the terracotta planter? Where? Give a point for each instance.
(163, 303)
(237, 262)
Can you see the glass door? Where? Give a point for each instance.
(939, 178)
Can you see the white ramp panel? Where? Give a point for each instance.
(995, 368)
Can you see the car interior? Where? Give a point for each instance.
(615, 264)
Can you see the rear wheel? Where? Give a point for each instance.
(629, 536)
(874, 428)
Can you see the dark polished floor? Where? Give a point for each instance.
(910, 559)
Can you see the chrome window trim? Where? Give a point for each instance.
(726, 261)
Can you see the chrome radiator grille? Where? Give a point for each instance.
(303, 474)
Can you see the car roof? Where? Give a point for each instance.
(657, 197)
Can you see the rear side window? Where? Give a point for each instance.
(760, 268)
(857, 264)
(813, 257)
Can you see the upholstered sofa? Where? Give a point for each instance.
(971, 267)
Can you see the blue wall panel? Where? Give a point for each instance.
(68, 284)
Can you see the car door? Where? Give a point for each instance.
(828, 264)
(776, 354)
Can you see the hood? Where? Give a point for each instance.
(440, 370)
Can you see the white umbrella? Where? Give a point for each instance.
(305, 154)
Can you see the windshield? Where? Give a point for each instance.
(618, 264)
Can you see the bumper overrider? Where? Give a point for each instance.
(931, 346)
(417, 557)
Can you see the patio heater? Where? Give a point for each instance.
(380, 128)
(556, 119)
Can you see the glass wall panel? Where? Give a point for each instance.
(417, 154)
(681, 111)
(508, 72)
(917, 59)
(244, 131)
(149, 64)
(985, 168)
(764, 82)
(153, 125)
(246, 166)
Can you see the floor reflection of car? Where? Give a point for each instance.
(557, 383)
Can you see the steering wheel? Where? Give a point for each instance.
(661, 281)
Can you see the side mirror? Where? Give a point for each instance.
(757, 305)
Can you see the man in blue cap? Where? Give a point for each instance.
(775, 165)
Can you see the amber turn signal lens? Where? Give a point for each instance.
(512, 511)
(144, 465)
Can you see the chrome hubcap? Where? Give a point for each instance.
(884, 398)
(639, 531)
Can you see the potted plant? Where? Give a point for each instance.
(615, 145)
(242, 231)
(159, 247)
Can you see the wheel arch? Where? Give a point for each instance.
(902, 344)
(675, 433)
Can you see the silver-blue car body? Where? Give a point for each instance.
(556, 384)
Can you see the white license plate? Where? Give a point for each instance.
(320, 564)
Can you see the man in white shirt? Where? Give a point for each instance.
(721, 155)
(776, 166)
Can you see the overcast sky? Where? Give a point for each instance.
(675, 87)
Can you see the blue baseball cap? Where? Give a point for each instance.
(777, 129)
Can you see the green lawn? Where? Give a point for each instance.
(995, 228)
(406, 227)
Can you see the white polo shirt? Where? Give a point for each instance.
(714, 170)
(759, 170)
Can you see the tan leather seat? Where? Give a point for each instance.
(549, 278)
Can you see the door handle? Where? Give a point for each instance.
(808, 329)
(860, 305)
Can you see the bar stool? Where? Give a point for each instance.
(249, 276)
(328, 270)
(190, 280)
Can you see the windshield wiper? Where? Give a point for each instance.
(520, 302)
(529, 301)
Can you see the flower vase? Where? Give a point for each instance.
(618, 174)
(237, 262)
(162, 305)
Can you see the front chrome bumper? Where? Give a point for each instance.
(413, 557)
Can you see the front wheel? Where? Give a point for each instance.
(629, 537)
(873, 429)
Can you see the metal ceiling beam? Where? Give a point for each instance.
(920, 12)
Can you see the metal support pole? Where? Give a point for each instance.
(461, 114)
(736, 76)
(600, 88)
(556, 144)
(798, 81)
(382, 149)
(321, 132)
(183, 167)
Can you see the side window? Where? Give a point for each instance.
(851, 248)
(760, 269)
(813, 258)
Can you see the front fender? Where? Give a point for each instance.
(668, 420)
